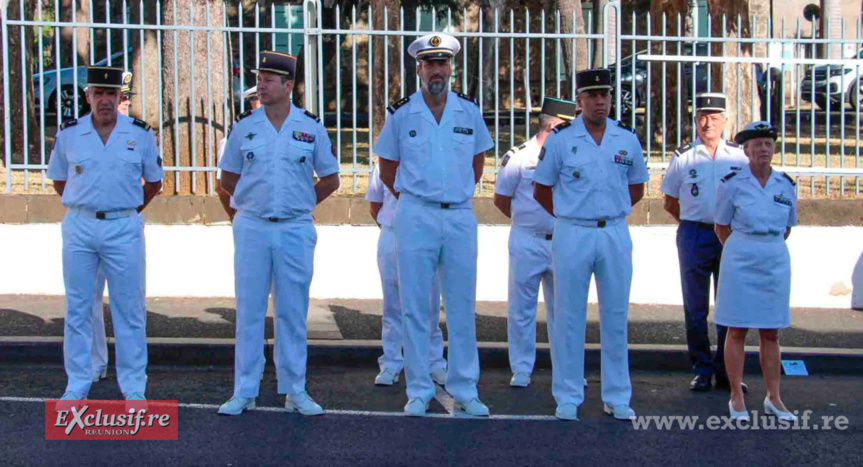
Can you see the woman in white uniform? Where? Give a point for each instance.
(755, 210)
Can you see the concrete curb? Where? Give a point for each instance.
(218, 352)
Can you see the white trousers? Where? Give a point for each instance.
(530, 266)
(117, 247)
(581, 252)
(277, 256)
(100, 341)
(391, 323)
(429, 239)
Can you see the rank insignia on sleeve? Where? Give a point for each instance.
(304, 137)
(463, 131)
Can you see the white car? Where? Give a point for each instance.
(831, 81)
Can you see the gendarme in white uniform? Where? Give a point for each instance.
(693, 177)
(755, 273)
(591, 202)
(530, 261)
(435, 229)
(274, 238)
(105, 178)
(391, 323)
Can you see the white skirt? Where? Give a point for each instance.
(754, 283)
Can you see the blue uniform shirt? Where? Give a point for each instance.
(693, 177)
(104, 177)
(277, 167)
(515, 179)
(378, 193)
(591, 182)
(435, 160)
(742, 203)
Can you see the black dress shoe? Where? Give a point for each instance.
(700, 383)
(723, 383)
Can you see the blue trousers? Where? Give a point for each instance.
(699, 252)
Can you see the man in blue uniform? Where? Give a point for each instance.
(529, 242)
(597, 172)
(270, 161)
(97, 165)
(431, 151)
(690, 197)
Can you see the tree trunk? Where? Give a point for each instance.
(569, 10)
(82, 34)
(598, 46)
(381, 97)
(831, 18)
(674, 87)
(740, 111)
(176, 115)
(19, 100)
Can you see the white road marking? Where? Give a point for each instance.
(360, 413)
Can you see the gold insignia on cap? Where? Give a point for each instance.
(127, 79)
(597, 78)
(106, 75)
(435, 41)
(264, 60)
(708, 101)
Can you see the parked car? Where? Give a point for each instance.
(67, 88)
(830, 81)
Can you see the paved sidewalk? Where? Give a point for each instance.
(34, 315)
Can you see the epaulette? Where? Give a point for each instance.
(732, 144)
(141, 123)
(621, 125)
(729, 176)
(395, 105)
(522, 146)
(562, 126)
(686, 147)
(788, 177)
(467, 98)
(68, 124)
(312, 116)
(243, 115)
(507, 155)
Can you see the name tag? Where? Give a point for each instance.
(782, 200)
(463, 131)
(622, 160)
(304, 137)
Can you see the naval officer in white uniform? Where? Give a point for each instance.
(755, 210)
(97, 165)
(432, 153)
(270, 161)
(596, 169)
(382, 204)
(530, 263)
(690, 197)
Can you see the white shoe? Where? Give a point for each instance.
(135, 396)
(567, 412)
(520, 380)
(303, 404)
(99, 375)
(473, 407)
(771, 409)
(73, 396)
(585, 382)
(416, 407)
(738, 414)
(620, 412)
(439, 376)
(236, 406)
(386, 377)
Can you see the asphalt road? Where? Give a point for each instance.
(275, 437)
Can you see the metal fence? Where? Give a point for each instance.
(510, 60)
